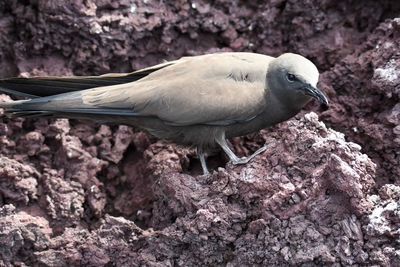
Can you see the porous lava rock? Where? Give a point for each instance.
(325, 192)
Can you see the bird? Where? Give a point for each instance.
(196, 100)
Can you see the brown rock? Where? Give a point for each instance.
(313, 198)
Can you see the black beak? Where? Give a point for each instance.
(317, 94)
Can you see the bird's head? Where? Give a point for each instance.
(293, 80)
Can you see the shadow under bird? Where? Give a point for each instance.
(199, 100)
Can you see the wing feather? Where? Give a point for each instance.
(215, 89)
(48, 86)
(210, 89)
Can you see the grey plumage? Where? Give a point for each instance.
(199, 100)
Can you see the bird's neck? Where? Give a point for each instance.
(278, 109)
(274, 112)
(271, 115)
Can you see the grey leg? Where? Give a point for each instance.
(200, 153)
(233, 158)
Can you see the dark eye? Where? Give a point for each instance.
(290, 77)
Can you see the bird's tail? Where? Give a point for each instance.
(49, 95)
(58, 97)
(13, 109)
(49, 86)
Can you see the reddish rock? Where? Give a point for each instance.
(366, 98)
(78, 193)
(18, 182)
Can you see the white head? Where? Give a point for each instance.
(293, 80)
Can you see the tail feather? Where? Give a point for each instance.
(12, 103)
(27, 114)
(48, 86)
(40, 90)
(15, 92)
(61, 96)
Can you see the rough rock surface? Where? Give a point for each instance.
(325, 192)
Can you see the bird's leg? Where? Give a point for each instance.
(222, 143)
(200, 153)
(233, 158)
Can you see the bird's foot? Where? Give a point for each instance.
(206, 171)
(245, 160)
(242, 160)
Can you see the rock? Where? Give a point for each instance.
(79, 193)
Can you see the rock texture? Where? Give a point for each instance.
(325, 192)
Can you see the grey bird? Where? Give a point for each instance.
(199, 100)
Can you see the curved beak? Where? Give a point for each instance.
(317, 94)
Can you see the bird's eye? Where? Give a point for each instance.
(290, 77)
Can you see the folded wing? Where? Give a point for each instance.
(216, 89)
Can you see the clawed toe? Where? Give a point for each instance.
(245, 160)
(242, 160)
